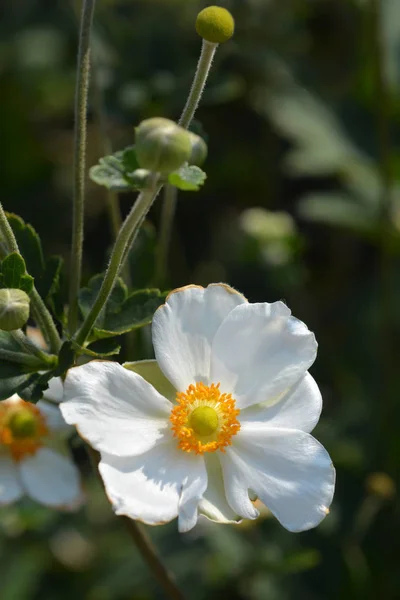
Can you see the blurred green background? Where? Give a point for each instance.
(302, 203)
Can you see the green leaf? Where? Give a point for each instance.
(30, 247)
(34, 387)
(188, 178)
(7, 342)
(88, 295)
(94, 349)
(142, 256)
(135, 312)
(114, 171)
(14, 273)
(129, 160)
(13, 268)
(13, 384)
(26, 284)
(46, 274)
(105, 347)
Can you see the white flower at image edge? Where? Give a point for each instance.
(34, 460)
(222, 416)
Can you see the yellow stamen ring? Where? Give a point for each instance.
(204, 419)
(22, 428)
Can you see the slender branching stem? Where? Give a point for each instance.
(203, 68)
(125, 236)
(99, 113)
(29, 347)
(40, 312)
(28, 360)
(170, 197)
(80, 134)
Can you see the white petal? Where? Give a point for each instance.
(157, 486)
(51, 479)
(151, 372)
(55, 391)
(114, 409)
(10, 486)
(260, 351)
(54, 419)
(214, 504)
(288, 470)
(184, 327)
(299, 408)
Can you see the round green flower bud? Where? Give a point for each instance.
(161, 145)
(215, 24)
(14, 309)
(199, 150)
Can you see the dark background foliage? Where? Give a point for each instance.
(292, 114)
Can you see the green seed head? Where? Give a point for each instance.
(204, 420)
(161, 145)
(215, 24)
(23, 424)
(14, 309)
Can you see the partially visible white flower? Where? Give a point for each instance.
(34, 460)
(223, 417)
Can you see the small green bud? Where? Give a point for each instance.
(14, 309)
(199, 150)
(215, 24)
(161, 145)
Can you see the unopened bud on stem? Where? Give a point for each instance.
(162, 146)
(199, 150)
(14, 309)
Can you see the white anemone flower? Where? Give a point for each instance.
(34, 460)
(223, 416)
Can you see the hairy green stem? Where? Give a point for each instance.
(203, 68)
(40, 312)
(81, 101)
(125, 236)
(26, 359)
(29, 347)
(170, 198)
(167, 219)
(99, 114)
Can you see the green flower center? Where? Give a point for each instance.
(23, 424)
(204, 420)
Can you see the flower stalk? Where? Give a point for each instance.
(125, 237)
(203, 68)
(208, 50)
(80, 134)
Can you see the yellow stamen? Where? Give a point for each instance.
(204, 419)
(22, 428)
